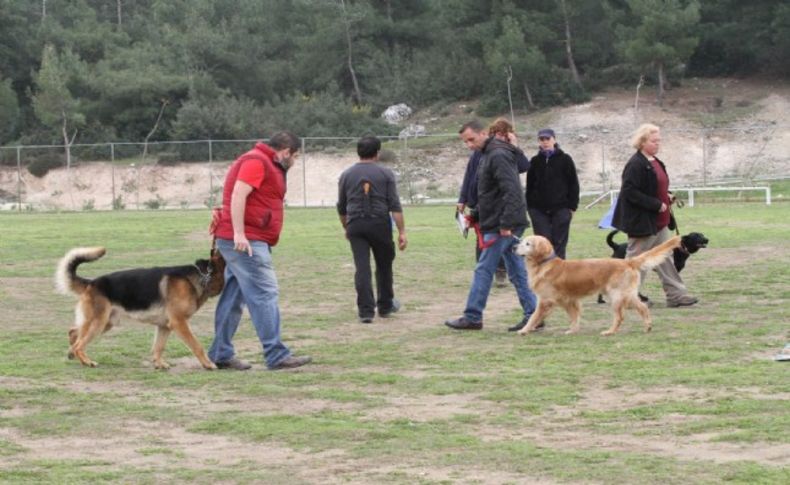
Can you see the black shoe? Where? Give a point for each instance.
(291, 362)
(523, 323)
(464, 323)
(394, 309)
(233, 363)
(365, 319)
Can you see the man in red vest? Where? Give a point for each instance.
(248, 227)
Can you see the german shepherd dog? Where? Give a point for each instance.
(689, 244)
(164, 296)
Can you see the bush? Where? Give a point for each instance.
(117, 203)
(168, 159)
(42, 165)
(157, 203)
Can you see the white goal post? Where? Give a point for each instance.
(612, 194)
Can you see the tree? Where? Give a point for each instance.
(9, 111)
(53, 102)
(665, 36)
(510, 51)
(568, 45)
(349, 51)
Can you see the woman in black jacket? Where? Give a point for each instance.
(552, 192)
(642, 210)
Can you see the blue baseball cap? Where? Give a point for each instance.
(546, 133)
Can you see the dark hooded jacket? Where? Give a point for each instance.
(552, 182)
(500, 199)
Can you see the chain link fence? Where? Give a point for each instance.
(190, 174)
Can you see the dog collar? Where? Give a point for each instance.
(553, 255)
(204, 277)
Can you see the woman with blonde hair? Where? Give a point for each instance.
(643, 213)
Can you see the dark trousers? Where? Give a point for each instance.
(376, 235)
(554, 225)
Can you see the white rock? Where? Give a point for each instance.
(396, 113)
(411, 131)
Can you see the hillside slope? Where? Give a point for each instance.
(712, 130)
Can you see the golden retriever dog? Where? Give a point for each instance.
(559, 282)
(164, 296)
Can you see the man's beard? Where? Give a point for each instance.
(287, 162)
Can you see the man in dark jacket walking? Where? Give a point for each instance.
(552, 192)
(367, 196)
(503, 218)
(474, 134)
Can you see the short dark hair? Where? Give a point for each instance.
(368, 147)
(285, 139)
(474, 125)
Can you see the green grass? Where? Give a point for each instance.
(403, 400)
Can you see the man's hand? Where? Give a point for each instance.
(240, 243)
(505, 232)
(402, 241)
(460, 207)
(512, 138)
(663, 207)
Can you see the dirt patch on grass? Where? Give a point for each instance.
(739, 257)
(564, 427)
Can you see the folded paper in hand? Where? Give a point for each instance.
(463, 223)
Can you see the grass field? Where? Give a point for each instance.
(405, 400)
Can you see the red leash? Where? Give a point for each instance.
(476, 226)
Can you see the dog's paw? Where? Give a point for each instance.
(161, 365)
(70, 355)
(211, 366)
(607, 333)
(571, 332)
(648, 329)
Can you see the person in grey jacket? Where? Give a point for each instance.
(503, 218)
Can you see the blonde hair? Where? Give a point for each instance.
(642, 133)
(500, 126)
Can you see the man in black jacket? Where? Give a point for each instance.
(552, 192)
(474, 135)
(502, 212)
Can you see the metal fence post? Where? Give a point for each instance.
(304, 175)
(19, 178)
(112, 173)
(604, 175)
(704, 159)
(211, 175)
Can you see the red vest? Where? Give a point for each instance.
(263, 213)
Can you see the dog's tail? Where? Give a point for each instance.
(66, 279)
(610, 240)
(652, 258)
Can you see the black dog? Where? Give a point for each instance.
(689, 244)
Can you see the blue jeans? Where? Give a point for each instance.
(248, 281)
(484, 275)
